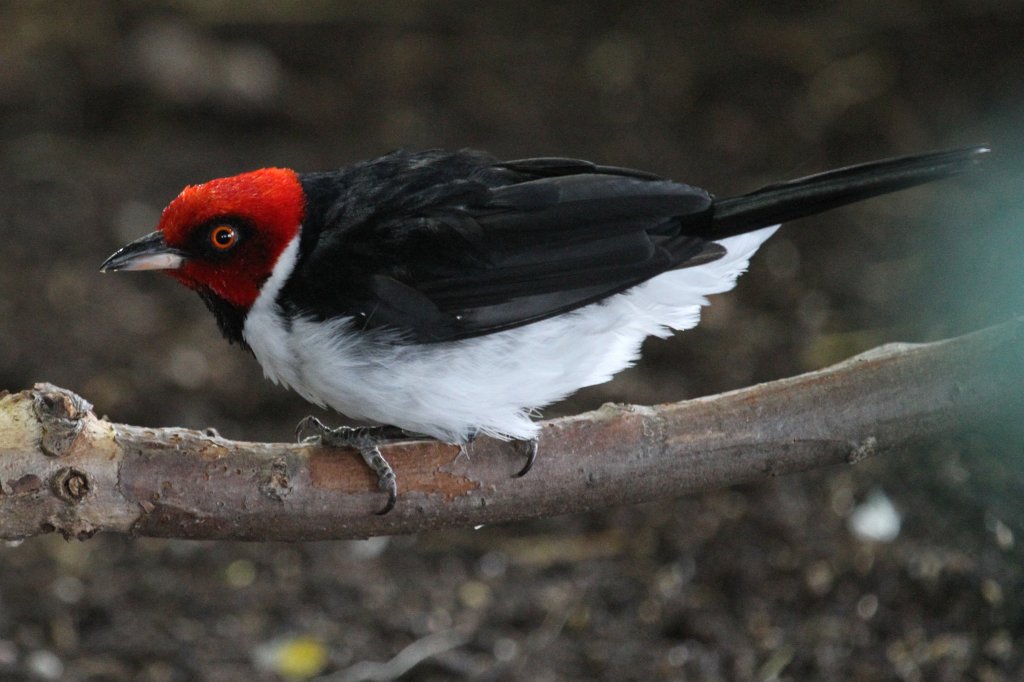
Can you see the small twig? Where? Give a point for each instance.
(63, 469)
(404, 661)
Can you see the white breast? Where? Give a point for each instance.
(491, 384)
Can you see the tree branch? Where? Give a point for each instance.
(63, 469)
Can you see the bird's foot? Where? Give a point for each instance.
(365, 439)
(528, 448)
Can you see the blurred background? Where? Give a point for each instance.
(107, 109)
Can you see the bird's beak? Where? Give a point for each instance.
(146, 253)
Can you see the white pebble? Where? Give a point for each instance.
(876, 518)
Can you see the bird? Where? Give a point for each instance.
(450, 294)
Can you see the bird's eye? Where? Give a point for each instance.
(223, 237)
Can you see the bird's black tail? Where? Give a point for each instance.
(816, 193)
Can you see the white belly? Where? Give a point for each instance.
(491, 384)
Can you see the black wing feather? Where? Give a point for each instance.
(442, 246)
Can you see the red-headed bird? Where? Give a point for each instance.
(449, 294)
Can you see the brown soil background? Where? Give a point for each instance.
(108, 108)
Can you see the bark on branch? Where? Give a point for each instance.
(63, 469)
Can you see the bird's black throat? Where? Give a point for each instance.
(230, 318)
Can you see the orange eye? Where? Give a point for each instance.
(223, 237)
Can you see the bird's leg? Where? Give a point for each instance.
(529, 448)
(365, 439)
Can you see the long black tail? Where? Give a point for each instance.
(816, 193)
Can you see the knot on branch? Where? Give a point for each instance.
(863, 449)
(60, 413)
(276, 485)
(70, 485)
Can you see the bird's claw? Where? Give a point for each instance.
(365, 440)
(310, 423)
(386, 480)
(530, 448)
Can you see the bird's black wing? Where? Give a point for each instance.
(448, 246)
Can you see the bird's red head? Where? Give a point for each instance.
(223, 236)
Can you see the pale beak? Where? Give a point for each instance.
(146, 253)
